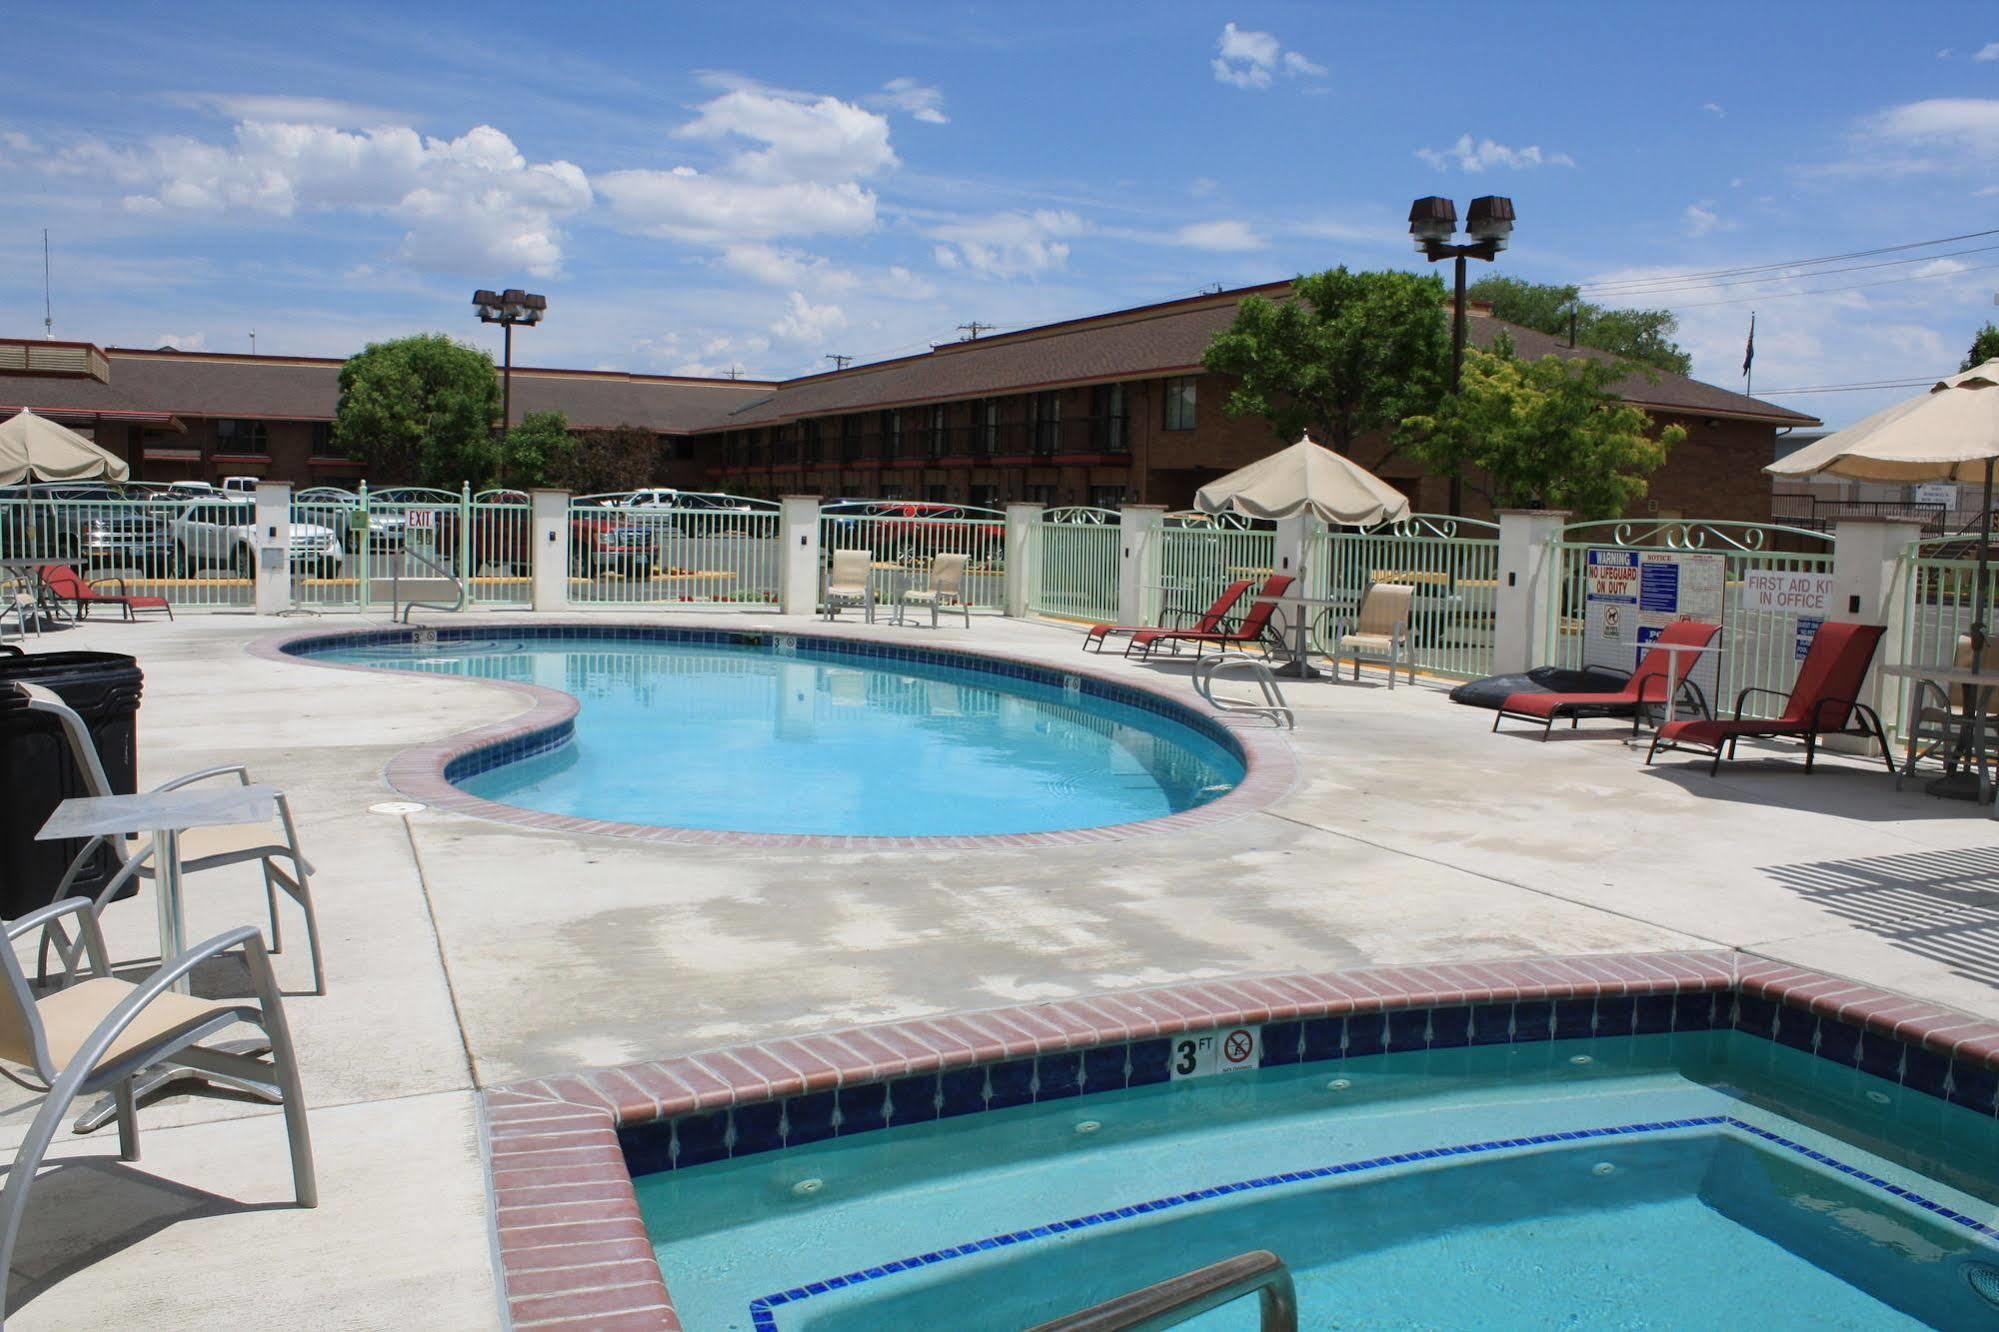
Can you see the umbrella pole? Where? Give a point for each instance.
(1978, 625)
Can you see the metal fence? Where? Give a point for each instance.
(1453, 563)
(633, 550)
(196, 551)
(904, 537)
(1200, 554)
(1078, 565)
(1760, 648)
(1939, 598)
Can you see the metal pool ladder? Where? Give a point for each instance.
(1176, 1299)
(1273, 705)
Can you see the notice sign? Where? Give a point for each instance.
(1197, 1054)
(1630, 595)
(1800, 592)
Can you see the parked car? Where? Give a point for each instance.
(608, 544)
(222, 534)
(239, 485)
(86, 523)
(330, 506)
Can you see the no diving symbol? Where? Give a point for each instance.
(1238, 1046)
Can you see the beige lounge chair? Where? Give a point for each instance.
(851, 582)
(97, 1033)
(947, 588)
(1381, 631)
(1939, 712)
(272, 846)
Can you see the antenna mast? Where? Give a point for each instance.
(48, 308)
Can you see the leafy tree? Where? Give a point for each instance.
(1983, 347)
(530, 452)
(1350, 353)
(603, 461)
(420, 409)
(1645, 336)
(1544, 434)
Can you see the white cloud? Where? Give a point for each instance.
(180, 341)
(803, 137)
(788, 268)
(1713, 108)
(1252, 60)
(1008, 244)
(1228, 234)
(1701, 219)
(1964, 122)
(685, 204)
(1203, 186)
(1989, 51)
(286, 107)
(469, 202)
(803, 321)
(1987, 192)
(921, 101)
(1468, 154)
(1938, 268)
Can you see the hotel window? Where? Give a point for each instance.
(985, 497)
(1044, 418)
(233, 436)
(1180, 403)
(1043, 495)
(985, 418)
(891, 434)
(937, 430)
(323, 443)
(1109, 428)
(814, 447)
(850, 438)
(938, 494)
(1107, 497)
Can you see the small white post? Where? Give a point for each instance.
(548, 560)
(272, 568)
(1529, 598)
(799, 562)
(1023, 557)
(1139, 528)
(1867, 587)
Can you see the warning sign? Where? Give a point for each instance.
(1197, 1054)
(1630, 595)
(1789, 591)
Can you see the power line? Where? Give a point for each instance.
(839, 362)
(1792, 263)
(1850, 388)
(1666, 286)
(973, 329)
(1826, 291)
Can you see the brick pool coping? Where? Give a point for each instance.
(572, 1244)
(418, 772)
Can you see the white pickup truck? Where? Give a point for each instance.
(221, 533)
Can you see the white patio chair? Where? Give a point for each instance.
(851, 582)
(98, 1032)
(946, 590)
(1380, 631)
(272, 846)
(1939, 715)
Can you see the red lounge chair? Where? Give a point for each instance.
(66, 584)
(1822, 702)
(1255, 627)
(1647, 684)
(1210, 621)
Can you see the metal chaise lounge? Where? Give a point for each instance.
(66, 584)
(1824, 700)
(1656, 678)
(1254, 630)
(1213, 619)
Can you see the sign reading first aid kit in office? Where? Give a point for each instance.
(1801, 592)
(1630, 595)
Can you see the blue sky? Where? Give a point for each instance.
(699, 187)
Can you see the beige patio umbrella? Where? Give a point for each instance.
(34, 448)
(1305, 478)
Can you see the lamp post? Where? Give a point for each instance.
(507, 308)
(1432, 222)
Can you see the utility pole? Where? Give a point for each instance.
(735, 372)
(48, 308)
(973, 329)
(839, 362)
(253, 342)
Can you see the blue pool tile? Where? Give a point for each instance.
(1323, 1038)
(913, 1100)
(1615, 1014)
(648, 1148)
(699, 1139)
(1280, 1042)
(808, 1118)
(1366, 1034)
(1492, 1024)
(1533, 1019)
(758, 1128)
(963, 1091)
(1973, 1086)
(863, 1108)
(1695, 1012)
(1011, 1083)
(1881, 1056)
(1148, 1062)
(1574, 1018)
(1057, 1076)
(1408, 1029)
(1755, 1014)
(1923, 1070)
(1838, 1042)
(1103, 1068)
(1450, 1027)
(1652, 1013)
(1795, 1028)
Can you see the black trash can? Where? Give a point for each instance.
(37, 773)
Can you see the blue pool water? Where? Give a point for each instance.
(751, 738)
(1706, 1180)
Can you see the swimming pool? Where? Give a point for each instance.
(1699, 1178)
(786, 734)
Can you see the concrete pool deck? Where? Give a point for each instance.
(463, 953)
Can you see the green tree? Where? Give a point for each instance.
(1543, 434)
(1349, 353)
(1983, 347)
(1645, 336)
(420, 409)
(604, 461)
(535, 450)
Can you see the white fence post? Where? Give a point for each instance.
(273, 568)
(1139, 528)
(1023, 557)
(1867, 586)
(548, 562)
(1529, 598)
(798, 567)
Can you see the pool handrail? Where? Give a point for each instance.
(1191, 1294)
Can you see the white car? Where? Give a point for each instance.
(222, 534)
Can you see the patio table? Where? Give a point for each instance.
(1970, 723)
(1673, 651)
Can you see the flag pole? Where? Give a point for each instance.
(1749, 359)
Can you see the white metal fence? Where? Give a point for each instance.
(1453, 563)
(1939, 599)
(1200, 554)
(1078, 565)
(905, 537)
(627, 550)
